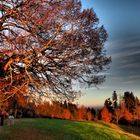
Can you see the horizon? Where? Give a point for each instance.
(120, 19)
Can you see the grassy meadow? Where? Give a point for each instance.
(53, 129)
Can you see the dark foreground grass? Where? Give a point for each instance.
(52, 129)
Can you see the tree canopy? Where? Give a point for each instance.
(45, 45)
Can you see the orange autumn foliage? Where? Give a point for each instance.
(127, 115)
(81, 114)
(106, 115)
(66, 114)
(89, 116)
(45, 45)
(63, 111)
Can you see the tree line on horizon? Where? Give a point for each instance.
(122, 110)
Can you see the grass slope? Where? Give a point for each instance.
(51, 129)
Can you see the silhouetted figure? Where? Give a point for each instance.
(1, 119)
(11, 117)
(3, 114)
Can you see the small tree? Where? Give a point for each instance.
(137, 111)
(130, 100)
(119, 112)
(106, 115)
(81, 113)
(89, 116)
(114, 99)
(109, 105)
(127, 115)
(66, 114)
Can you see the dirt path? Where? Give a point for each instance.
(122, 131)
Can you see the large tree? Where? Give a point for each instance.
(45, 45)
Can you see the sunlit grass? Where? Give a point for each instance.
(52, 129)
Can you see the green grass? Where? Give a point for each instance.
(52, 129)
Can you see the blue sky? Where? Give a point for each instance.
(121, 19)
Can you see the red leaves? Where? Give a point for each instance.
(127, 115)
(106, 115)
(63, 111)
(66, 114)
(51, 41)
